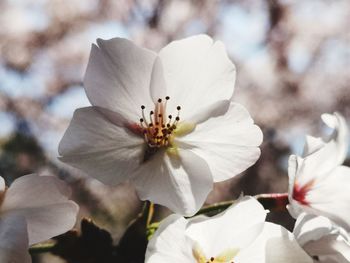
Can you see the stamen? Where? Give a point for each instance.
(143, 116)
(158, 130)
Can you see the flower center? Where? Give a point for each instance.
(299, 192)
(226, 256)
(157, 128)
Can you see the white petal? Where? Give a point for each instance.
(229, 143)
(2, 185)
(43, 202)
(274, 244)
(310, 227)
(331, 154)
(169, 243)
(340, 135)
(312, 144)
(321, 237)
(180, 183)
(99, 147)
(196, 69)
(216, 109)
(330, 197)
(118, 76)
(236, 227)
(294, 208)
(332, 259)
(330, 247)
(317, 164)
(158, 85)
(292, 171)
(282, 247)
(13, 240)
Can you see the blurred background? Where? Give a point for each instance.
(292, 59)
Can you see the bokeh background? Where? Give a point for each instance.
(292, 59)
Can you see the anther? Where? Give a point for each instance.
(157, 130)
(211, 259)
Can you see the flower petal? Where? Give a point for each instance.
(340, 135)
(100, 148)
(2, 185)
(329, 249)
(158, 85)
(317, 164)
(321, 237)
(294, 208)
(43, 202)
(281, 246)
(169, 243)
(181, 182)
(312, 144)
(236, 227)
(229, 143)
(194, 68)
(330, 197)
(331, 154)
(274, 244)
(310, 227)
(118, 76)
(13, 240)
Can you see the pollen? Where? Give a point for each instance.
(157, 127)
(226, 256)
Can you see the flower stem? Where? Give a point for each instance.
(272, 201)
(41, 248)
(150, 212)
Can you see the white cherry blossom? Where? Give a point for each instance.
(239, 234)
(163, 121)
(322, 238)
(33, 209)
(318, 182)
